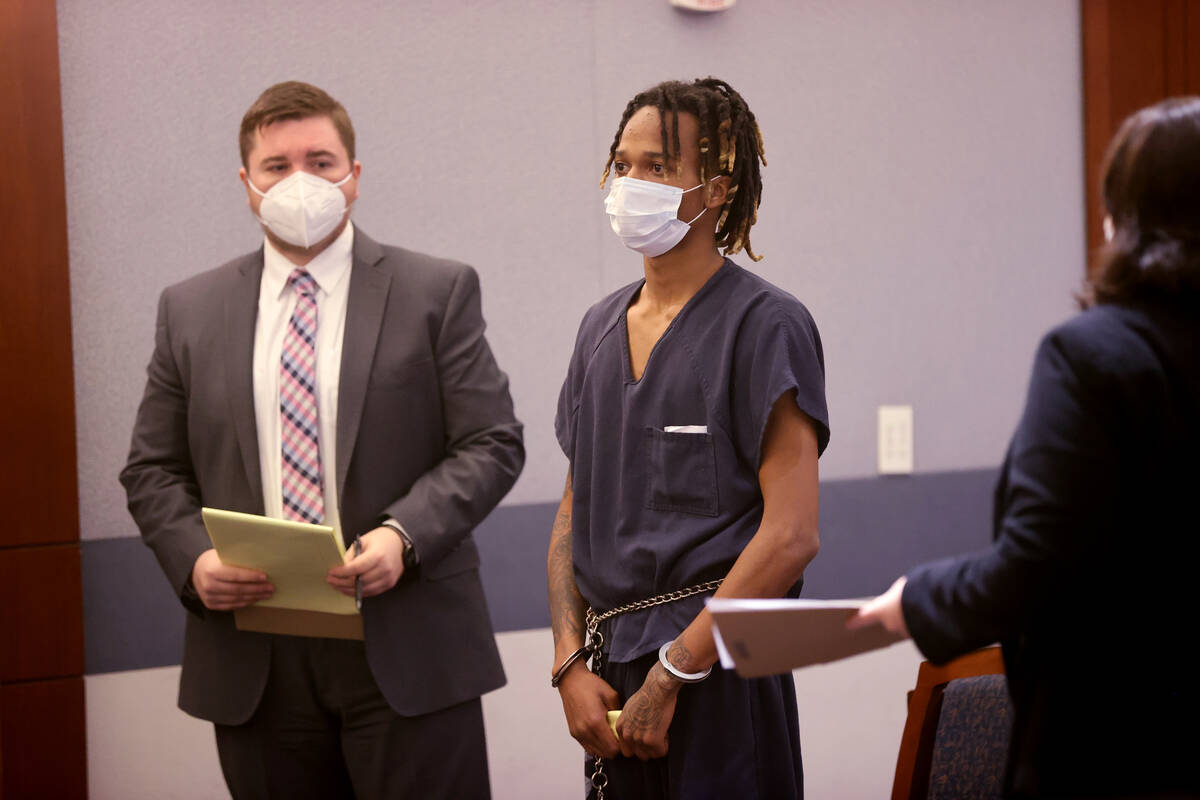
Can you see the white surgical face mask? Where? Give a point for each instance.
(302, 209)
(645, 214)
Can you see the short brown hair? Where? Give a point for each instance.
(293, 100)
(1151, 190)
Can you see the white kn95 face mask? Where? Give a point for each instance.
(302, 209)
(645, 214)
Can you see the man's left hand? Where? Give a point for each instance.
(642, 726)
(380, 565)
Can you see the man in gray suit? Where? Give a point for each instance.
(328, 378)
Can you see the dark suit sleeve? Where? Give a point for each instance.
(484, 448)
(1060, 476)
(160, 485)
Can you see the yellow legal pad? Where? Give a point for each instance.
(295, 556)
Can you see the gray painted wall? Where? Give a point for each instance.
(923, 194)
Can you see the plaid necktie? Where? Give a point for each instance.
(301, 475)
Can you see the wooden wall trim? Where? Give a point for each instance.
(46, 756)
(1191, 60)
(41, 593)
(38, 474)
(1175, 56)
(1097, 106)
(1135, 53)
(43, 749)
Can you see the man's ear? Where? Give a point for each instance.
(356, 170)
(718, 192)
(244, 177)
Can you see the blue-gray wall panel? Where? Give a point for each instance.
(872, 530)
(131, 617)
(512, 546)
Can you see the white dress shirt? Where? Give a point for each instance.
(276, 301)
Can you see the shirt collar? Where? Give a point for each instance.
(625, 295)
(328, 269)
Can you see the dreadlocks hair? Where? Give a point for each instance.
(726, 122)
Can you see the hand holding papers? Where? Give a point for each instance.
(296, 557)
(767, 637)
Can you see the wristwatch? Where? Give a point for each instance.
(410, 556)
(411, 562)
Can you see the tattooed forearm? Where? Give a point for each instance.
(566, 604)
(680, 656)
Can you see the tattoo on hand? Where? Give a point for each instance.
(646, 710)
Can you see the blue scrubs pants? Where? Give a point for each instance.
(730, 737)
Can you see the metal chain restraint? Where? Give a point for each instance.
(594, 642)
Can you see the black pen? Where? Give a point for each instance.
(358, 578)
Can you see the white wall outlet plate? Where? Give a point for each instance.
(895, 440)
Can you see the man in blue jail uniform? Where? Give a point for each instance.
(693, 413)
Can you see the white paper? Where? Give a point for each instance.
(295, 556)
(722, 651)
(685, 429)
(772, 636)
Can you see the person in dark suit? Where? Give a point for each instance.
(1089, 582)
(328, 378)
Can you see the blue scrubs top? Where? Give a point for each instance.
(657, 510)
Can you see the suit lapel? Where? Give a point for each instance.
(241, 312)
(364, 317)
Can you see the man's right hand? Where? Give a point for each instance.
(587, 699)
(224, 588)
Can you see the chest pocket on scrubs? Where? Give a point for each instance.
(682, 472)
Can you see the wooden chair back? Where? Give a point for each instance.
(924, 707)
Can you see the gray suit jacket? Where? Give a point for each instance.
(425, 434)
